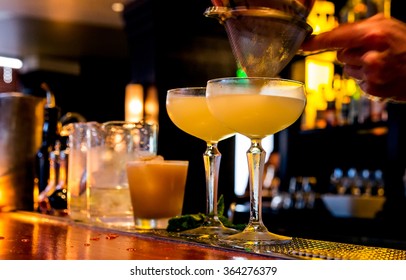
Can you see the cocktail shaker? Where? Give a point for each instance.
(21, 120)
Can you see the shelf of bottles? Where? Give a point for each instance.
(342, 103)
(333, 99)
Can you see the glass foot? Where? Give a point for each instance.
(257, 238)
(251, 238)
(208, 232)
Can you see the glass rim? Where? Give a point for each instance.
(186, 88)
(273, 13)
(134, 124)
(158, 162)
(291, 81)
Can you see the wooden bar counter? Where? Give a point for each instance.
(29, 236)
(32, 236)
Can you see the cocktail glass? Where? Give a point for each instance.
(256, 108)
(187, 108)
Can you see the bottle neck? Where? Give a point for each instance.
(51, 128)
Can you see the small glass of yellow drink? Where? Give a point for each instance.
(157, 189)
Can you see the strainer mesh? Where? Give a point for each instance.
(263, 46)
(263, 40)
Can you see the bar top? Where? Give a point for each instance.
(33, 236)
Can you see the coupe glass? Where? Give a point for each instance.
(256, 107)
(187, 108)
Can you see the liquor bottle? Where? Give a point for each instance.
(43, 202)
(53, 199)
(355, 10)
(50, 134)
(58, 199)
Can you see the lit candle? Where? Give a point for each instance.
(152, 106)
(134, 102)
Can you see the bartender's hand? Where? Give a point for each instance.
(373, 52)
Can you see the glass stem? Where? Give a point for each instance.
(256, 161)
(212, 158)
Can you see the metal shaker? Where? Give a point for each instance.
(21, 120)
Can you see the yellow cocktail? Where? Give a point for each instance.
(256, 108)
(269, 113)
(190, 113)
(187, 108)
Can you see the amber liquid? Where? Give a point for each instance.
(157, 188)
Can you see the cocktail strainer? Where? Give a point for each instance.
(300, 8)
(263, 40)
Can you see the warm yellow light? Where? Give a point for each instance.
(321, 17)
(351, 87)
(318, 72)
(387, 8)
(10, 62)
(135, 106)
(319, 75)
(117, 7)
(152, 105)
(134, 100)
(2, 198)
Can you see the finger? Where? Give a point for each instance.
(374, 67)
(335, 39)
(366, 65)
(351, 56)
(391, 92)
(354, 71)
(349, 35)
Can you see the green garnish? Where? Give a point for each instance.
(190, 221)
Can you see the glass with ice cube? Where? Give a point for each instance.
(76, 186)
(110, 147)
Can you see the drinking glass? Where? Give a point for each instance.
(256, 107)
(187, 108)
(157, 188)
(110, 146)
